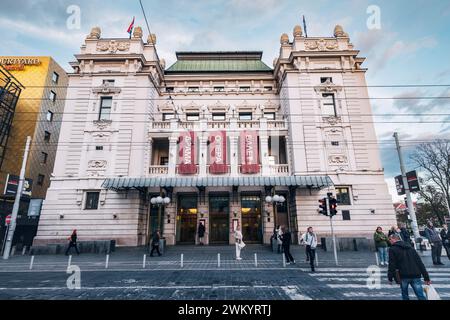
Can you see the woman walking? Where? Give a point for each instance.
(381, 245)
(73, 243)
(239, 243)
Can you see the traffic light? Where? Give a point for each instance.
(323, 207)
(333, 207)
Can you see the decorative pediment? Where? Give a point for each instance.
(167, 107)
(271, 106)
(106, 88)
(218, 106)
(321, 45)
(245, 106)
(327, 86)
(191, 107)
(113, 46)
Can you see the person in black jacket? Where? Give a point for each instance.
(155, 243)
(406, 267)
(286, 244)
(406, 236)
(73, 243)
(201, 232)
(445, 239)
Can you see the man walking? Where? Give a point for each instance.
(286, 244)
(406, 267)
(436, 243)
(73, 243)
(155, 244)
(445, 239)
(310, 239)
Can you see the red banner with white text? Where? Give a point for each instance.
(218, 152)
(187, 150)
(249, 152)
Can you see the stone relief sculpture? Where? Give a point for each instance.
(113, 46)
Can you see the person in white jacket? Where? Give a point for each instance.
(239, 243)
(310, 240)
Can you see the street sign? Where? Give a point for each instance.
(8, 220)
(12, 182)
(399, 185)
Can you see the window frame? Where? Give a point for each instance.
(219, 89)
(325, 103)
(193, 89)
(40, 180)
(55, 75)
(111, 82)
(51, 116)
(245, 89)
(241, 114)
(44, 157)
(165, 118)
(270, 113)
(102, 108)
(47, 136)
(349, 203)
(197, 115)
(87, 200)
(221, 114)
(98, 148)
(52, 96)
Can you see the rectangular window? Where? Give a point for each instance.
(168, 116)
(99, 148)
(49, 116)
(335, 143)
(47, 136)
(329, 104)
(40, 180)
(52, 96)
(44, 157)
(170, 89)
(244, 89)
(268, 89)
(325, 79)
(92, 200)
(219, 89)
(192, 117)
(109, 82)
(193, 89)
(269, 115)
(346, 215)
(105, 108)
(343, 196)
(245, 116)
(55, 78)
(219, 117)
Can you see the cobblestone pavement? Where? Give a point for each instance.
(202, 277)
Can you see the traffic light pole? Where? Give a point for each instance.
(12, 228)
(332, 231)
(412, 213)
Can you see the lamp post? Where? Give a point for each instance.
(160, 202)
(275, 200)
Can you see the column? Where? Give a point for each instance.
(203, 154)
(173, 140)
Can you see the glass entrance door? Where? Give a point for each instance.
(251, 218)
(187, 219)
(219, 212)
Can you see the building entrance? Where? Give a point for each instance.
(251, 218)
(187, 219)
(219, 212)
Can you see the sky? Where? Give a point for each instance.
(410, 47)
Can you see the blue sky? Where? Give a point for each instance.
(411, 47)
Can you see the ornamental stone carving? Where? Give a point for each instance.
(106, 88)
(332, 120)
(151, 39)
(298, 31)
(102, 124)
(321, 45)
(284, 39)
(339, 31)
(96, 32)
(113, 46)
(97, 164)
(137, 33)
(337, 159)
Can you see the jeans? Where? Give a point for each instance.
(436, 251)
(416, 284)
(312, 256)
(382, 254)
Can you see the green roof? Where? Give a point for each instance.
(219, 62)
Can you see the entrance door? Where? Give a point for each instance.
(219, 211)
(251, 219)
(187, 219)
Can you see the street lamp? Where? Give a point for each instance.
(160, 202)
(276, 200)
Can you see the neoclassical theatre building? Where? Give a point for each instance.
(215, 139)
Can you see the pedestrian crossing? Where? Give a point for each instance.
(359, 283)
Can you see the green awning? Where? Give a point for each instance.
(315, 182)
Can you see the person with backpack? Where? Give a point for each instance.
(406, 268)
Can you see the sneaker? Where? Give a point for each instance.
(382, 264)
(238, 258)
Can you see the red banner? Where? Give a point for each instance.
(186, 155)
(249, 152)
(218, 152)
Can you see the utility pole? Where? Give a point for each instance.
(412, 213)
(12, 228)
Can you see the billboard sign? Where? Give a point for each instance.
(12, 182)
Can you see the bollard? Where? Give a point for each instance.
(218, 260)
(317, 259)
(256, 260)
(69, 261)
(107, 261)
(144, 260)
(24, 250)
(182, 260)
(31, 262)
(376, 259)
(284, 262)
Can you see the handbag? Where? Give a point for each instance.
(431, 293)
(241, 245)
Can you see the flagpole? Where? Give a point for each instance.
(146, 22)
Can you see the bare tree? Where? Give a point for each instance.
(434, 159)
(434, 205)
